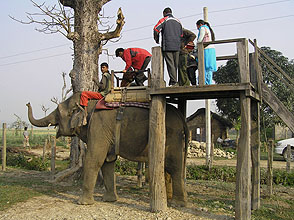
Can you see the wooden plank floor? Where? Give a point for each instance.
(231, 90)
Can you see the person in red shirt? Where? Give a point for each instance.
(136, 59)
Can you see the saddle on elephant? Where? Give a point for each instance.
(127, 96)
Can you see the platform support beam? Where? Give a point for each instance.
(157, 136)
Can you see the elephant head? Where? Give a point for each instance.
(60, 117)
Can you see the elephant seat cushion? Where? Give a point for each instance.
(101, 104)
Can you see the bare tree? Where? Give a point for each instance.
(80, 24)
(44, 109)
(79, 21)
(64, 91)
(18, 124)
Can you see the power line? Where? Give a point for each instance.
(217, 11)
(259, 20)
(41, 58)
(34, 51)
(148, 38)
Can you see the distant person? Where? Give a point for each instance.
(188, 36)
(137, 60)
(206, 34)
(26, 142)
(171, 33)
(192, 62)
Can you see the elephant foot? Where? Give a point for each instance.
(110, 197)
(83, 200)
(178, 202)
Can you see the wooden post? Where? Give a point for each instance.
(53, 155)
(139, 174)
(211, 153)
(288, 168)
(4, 147)
(112, 81)
(255, 154)
(201, 67)
(243, 60)
(157, 136)
(270, 167)
(255, 136)
(44, 149)
(243, 176)
(190, 135)
(208, 132)
(32, 131)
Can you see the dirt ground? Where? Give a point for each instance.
(133, 202)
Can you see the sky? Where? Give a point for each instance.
(31, 63)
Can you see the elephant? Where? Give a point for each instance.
(99, 135)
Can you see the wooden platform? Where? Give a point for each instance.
(231, 90)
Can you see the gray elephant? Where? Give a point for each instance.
(99, 135)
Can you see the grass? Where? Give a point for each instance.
(17, 185)
(219, 197)
(37, 137)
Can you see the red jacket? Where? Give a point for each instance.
(134, 57)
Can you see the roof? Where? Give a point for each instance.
(217, 117)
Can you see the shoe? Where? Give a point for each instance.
(174, 85)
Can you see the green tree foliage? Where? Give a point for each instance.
(228, 73)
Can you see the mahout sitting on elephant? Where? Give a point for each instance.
(99, 135)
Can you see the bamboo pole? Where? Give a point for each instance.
(4, 147)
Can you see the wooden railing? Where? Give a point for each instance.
(114, 75)
(242, 56)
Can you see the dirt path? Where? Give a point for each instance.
(133, 203)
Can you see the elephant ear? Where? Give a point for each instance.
(78, 119)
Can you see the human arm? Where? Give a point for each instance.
(128, 59)
(157, 29)
(102, 85)
(201, 35)
(188, 35)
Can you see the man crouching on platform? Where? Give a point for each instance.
(135, 58)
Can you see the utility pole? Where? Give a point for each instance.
(207, 113)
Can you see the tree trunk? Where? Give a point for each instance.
(87, 48)
(87, 45)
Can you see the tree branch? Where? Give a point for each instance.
(53, 19)
(119, 25)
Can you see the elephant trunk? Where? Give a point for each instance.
(43, 122)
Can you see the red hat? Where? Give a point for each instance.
(190, 45)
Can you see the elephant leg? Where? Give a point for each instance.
(179, 190)
(109, 182)
(93, 161)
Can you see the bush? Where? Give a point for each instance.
(33, 163)
(228, 174)
(125, 167)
